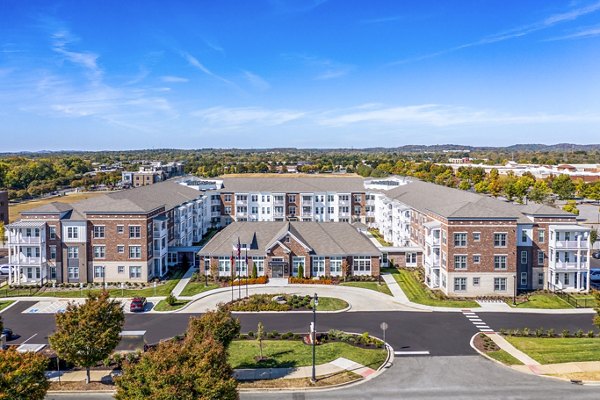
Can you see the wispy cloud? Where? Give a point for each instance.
(513, 33)
(237, 117)
(194, 62)
(381, 20)
(256, 81)
(323, 68)
(173, 79)
(440, 116)
(582, 34)
(214, 46)
(62, 39)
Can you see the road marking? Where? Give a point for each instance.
(487, 330)
(411, 353)
(32, 336)
(473, 320)
(479, 323)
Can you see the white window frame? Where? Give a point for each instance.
(133, 254)
(135, 271)
(460, 284)
(317, 266)
(500, 239)
(500, 285)
(498, 264)
(460, 262)
(335, 266)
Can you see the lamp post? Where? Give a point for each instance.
(104, 276)
(515, 289)
(313, 379)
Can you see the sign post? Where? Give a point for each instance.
(384, 327)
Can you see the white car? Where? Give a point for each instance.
(4, 269)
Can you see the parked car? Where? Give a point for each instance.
(8, 332)
(4, 269)
(595, 275)
(138, 304)
(596, 254)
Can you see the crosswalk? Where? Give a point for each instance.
(475, 320)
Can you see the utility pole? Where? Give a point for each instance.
(314, 339)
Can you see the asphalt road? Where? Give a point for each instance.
(458, 377)
(442, 334)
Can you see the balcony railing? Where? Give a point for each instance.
(18, 239)
(571, 244)
(568, 265)
(24, 260)
(432, 241)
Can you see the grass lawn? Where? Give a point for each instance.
(16, 209)
(379, 238)
(164, 306)
(294, 353)
(558, 350)
(370, 285)
(542, 300)
(193, 288)
(330, 304)
(504, 357)
(161, 290)
(4, 304)
(418, 293)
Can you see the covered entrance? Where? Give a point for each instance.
(279, 269)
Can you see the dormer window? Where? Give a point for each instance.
(286, 239)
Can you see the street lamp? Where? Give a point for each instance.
(515, 289)
(104, 276)
(314, 339)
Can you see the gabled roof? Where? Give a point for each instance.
(322, 238)
(288, 229)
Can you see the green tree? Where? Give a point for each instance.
(219, 324)
(571, 207)
(540, 192)
(593, 239)
(2, 231)
(563, 187)
(254, 271)
(88, 333)
(300, 271)
(260, 335)
(22, 375)
(188, 370)
(596, 319)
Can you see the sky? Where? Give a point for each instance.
(96, 75)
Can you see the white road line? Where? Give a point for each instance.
(479, 323)
(483, 327)
(475, 320)
(34, 335)
(410, 353)
(486, 330)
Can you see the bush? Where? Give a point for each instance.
(579, 333)
(565, 333)
(251, 334)
(590, 334)
(525, 332)
(171, 300)
(539, 332)
(550, 333)
(274, 334)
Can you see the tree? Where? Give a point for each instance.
(300, 271)
(220, 324)
(540, 192)
(260, 335)
(596, 319)
(593, 239)
(88, 333)
(22, 375)
(571, 207)
(2, 231)
(188, 370)
(563, 187)
(254, 271)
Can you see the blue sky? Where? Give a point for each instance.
(297, 73)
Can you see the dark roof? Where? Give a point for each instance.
(272, 184)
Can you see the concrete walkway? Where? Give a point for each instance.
(510, 349)
(96, 375)
(336, 366)
(183, 282)
(396, 290)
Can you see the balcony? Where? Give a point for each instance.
(571, 244)
(571, 265)
(19, 239)
(432, 240)
(241, 202)
(22, 259)
(279, 202)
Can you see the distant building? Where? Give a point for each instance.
(151, 173)
(4, 206)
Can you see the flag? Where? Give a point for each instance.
(239, 248)
(246, 262)
(232, 265)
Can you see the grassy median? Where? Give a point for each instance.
(383, 288)
(558, 350)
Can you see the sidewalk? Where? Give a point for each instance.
(183, 282)
(512, 350)
(336, 366)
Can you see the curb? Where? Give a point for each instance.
(556, 378)
(14, 303)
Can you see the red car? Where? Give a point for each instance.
(138, 304)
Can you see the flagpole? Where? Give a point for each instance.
(231, 274)
(246, 272)
(239, 249)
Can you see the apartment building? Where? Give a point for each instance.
(475, 245)
(321, 199)
(4, 206)
(282, 249)
(127, 236)
(151, 173)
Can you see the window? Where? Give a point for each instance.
(356, 210)
(73, 252)
(524, 257)
(52, 232)
(254, 210)
(120, 249)
(318, 266)
(540, 257)
(499, 239)
(73, 272)
(224, 265)
(135, 251)
(297, 262)
(260, 265)
(460, 262)
(411, 258)
(499, 284)
(541, 235)
(53, 252)
(120, 228)
(135, 232)
(292, 211)
(99, 232)
(72, 232)
(98, 271)
(335, 266)
(226, 197)
(476, 236)
(500, 262)
(254, 198)
(362, 265)
(523, 236)
(330, 210)
(330, 198)
(99, 251)
(567, 279)
(460, 239)
(540, 278)
(460, 284)
(475, 281)
(523, 278)
(476, 259)
(292, 198)
(121, 269)
(135, 272)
